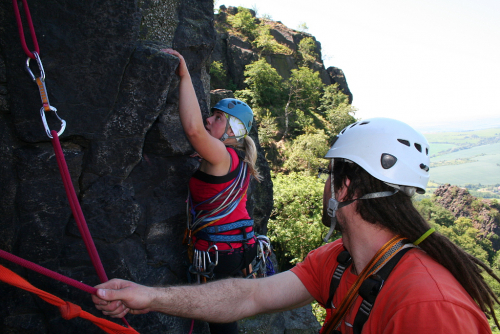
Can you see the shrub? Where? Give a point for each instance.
(243, 22)
(295, 226)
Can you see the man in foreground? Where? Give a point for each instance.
(376, 166)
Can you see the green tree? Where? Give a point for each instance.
(306, 49)
(306, 153)
(268, 128)
(302, 27)
(434, 213)
(295, 226)
(264, 84)
(463, 234)
(334, 105)
(267, 43)
(304, 89)
(244, 22)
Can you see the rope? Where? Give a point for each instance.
(378, 260)
(47, 272)
(68, 310)
(21, 30)
(230, 200)
(76, 209)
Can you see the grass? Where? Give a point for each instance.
(477, 162)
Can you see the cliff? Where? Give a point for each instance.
(234, 51)
(127, 154)
(483, 212)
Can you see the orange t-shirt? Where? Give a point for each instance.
(419, 296)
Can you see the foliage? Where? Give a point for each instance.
(306, 49)
(334, 105)
(264, 84)
(268, 128)
(267, 43)
(302, 27)
(243, 21)
(319, 312)
(306, 153)
(463, 234)
(306, 86)
(217, 71)
(295, 226)
(434, 213)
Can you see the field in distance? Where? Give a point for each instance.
(469, 158)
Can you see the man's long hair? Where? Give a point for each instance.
(398, 214)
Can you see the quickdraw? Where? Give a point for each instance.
(68, 185)
(263, 265)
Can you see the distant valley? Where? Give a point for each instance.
(468, 159)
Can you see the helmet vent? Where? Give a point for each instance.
(364, 123)
(418, 147)
(404, 142)
(353, 124)
(388, 160)
(426, 151)
(230, 105)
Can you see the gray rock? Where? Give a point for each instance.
(126, 152)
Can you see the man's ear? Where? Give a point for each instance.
(342, 192)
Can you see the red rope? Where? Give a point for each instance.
(47, 272)
(76, 209)
(21, 30)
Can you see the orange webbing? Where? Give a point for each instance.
(353, 291)
(68, 310)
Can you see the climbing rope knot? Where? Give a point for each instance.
(70, 310)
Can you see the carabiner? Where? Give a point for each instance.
(216, 254)
(47, 129)
(40, 67)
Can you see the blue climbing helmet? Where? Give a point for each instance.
(238, 109)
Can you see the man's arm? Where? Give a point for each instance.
(220, 301)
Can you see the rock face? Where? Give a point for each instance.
(482, 212)
(125, 148)
(234, 52)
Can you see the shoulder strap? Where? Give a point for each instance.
(344, 260)
(370, 289)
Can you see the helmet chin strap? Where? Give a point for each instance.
(331, 213)
(225, 136)
(334, 205)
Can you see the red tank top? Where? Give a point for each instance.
(203, 186)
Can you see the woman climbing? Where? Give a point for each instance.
(220, 231)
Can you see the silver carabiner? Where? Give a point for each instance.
(216, 254)
(47, 129)
(40, 67)
(44, 96)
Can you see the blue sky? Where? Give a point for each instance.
(432, 64)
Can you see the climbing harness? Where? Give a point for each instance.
(63, 168)
(367, 285)
(225, 202)
(200, 224)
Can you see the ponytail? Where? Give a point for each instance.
(247, 144)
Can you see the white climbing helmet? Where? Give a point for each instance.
(389, 150)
